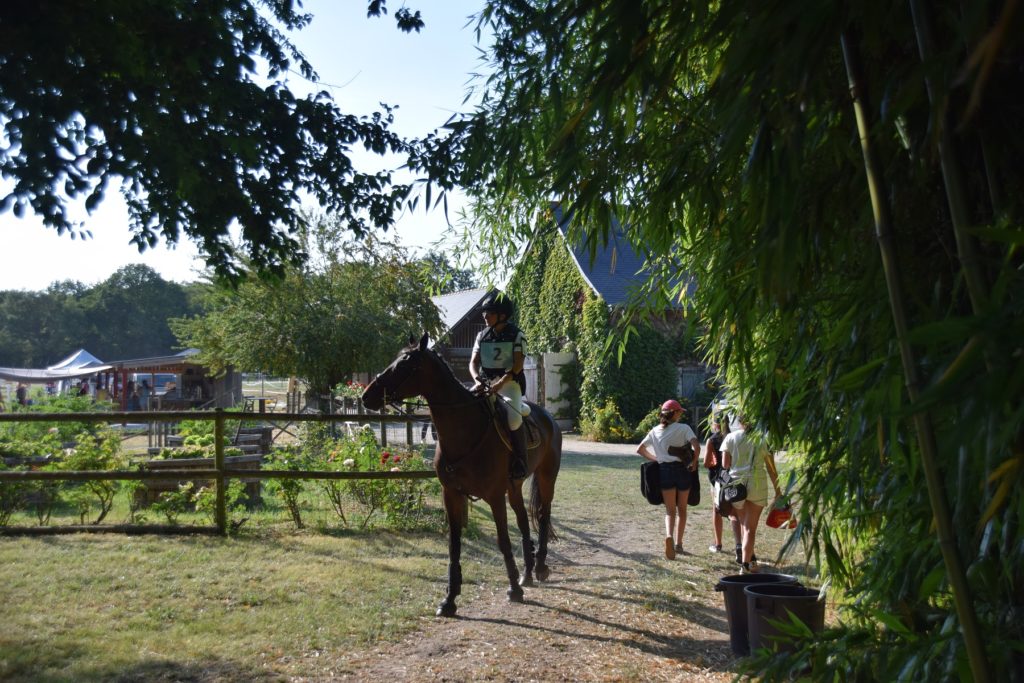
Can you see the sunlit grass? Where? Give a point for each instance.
(264, 602)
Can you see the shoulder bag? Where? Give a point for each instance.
(731, 490)
(650, 482)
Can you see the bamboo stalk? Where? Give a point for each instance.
(952, 169)
(922, 420)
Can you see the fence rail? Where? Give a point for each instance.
(219, 473)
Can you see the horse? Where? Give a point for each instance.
(472, 460)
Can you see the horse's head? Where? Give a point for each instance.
(401, 379)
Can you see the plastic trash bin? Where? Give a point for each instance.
(775, 602)
(736, 603)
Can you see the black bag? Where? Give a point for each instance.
(730, 490)
(650, 482)
(693, 497)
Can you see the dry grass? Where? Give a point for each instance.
(276, 604)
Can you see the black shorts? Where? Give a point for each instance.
(674, 475)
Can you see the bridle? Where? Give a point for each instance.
(411, 371)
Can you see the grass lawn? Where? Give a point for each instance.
(109, 607)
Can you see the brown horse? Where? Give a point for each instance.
(472, 459)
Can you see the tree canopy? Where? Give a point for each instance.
(840, 179)
(161, 98)
(345, 311)
(124, 316)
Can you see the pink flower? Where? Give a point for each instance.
(396, 459)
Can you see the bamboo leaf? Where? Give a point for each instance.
(857, 378)
(892, 621)
(998, 498)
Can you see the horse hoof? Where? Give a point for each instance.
(446, 609)
(515, 594)
(543, 573)
(527, 582)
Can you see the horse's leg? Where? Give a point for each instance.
(515, 592)
(515, 499)
(542, 493)
(455, 509)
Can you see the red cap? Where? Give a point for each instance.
(670, 404)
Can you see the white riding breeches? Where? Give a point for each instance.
(514, 397)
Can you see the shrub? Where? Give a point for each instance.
(12, 496)
(649, 422)
(205, 499)
(401, 502)
(607, 425)
(43, 496)
(288, 490)
(63, 432)
(99, 451)
(171, 504)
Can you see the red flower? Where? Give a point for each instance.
(385, 456)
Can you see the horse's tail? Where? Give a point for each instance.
(535, 504)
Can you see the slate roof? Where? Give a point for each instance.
(615, 270)
(456, 306)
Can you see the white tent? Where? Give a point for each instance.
(79, 359)
(79, 364)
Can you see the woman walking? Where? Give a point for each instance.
(746, 457)
(675, 469)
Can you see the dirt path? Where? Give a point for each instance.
(587, 623)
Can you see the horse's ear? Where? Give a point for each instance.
(423, 342)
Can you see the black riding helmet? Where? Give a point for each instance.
(498, 302)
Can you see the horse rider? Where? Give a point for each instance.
(498, 354)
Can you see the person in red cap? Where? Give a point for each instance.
(674, 446)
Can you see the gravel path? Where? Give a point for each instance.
(584, 624)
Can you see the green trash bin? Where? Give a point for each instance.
(736, 603)
(776, 602)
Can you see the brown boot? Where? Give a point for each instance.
(518, 467)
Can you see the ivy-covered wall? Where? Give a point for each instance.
(549, 292)
(558, 311)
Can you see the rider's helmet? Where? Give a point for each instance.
(498, 302)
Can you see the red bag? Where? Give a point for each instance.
(780, 517)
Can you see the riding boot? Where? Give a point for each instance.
(518, 465)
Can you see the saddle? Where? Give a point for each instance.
(499, 411)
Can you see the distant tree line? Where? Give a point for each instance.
(124, 316)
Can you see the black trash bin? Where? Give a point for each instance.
(768, 602)
(736, 603)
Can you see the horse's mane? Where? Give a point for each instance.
(444, 364)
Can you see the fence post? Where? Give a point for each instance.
(221, 514)
(408, 426)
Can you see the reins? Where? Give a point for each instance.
(450, 461)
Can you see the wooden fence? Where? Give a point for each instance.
(219, 473)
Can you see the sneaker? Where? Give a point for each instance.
(670, 549)
(679, 549)
(747, 568)
(714, 548)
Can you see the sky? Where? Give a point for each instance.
(361, 62)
